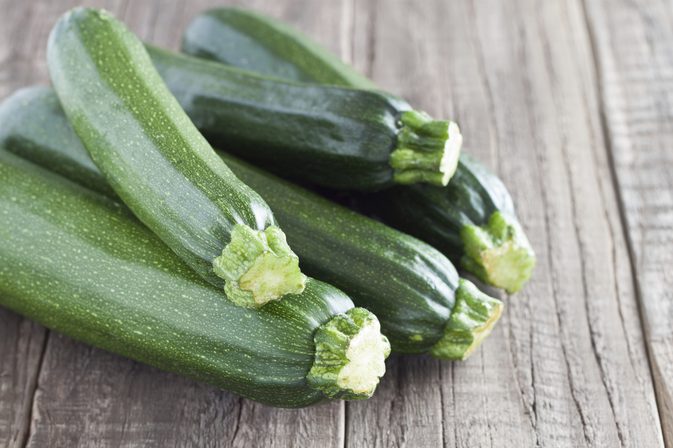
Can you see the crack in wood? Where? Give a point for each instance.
(33, 388)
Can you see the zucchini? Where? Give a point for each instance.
(158, 163)
(354, 139)
(472, 220)
(414, 290)
(74, 261)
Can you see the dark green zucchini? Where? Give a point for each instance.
(422, 304)
(472, 220)
(158, 163)
(334, 136)
(77, 263)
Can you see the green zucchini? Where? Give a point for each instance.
(158, 163)
(472, 220)
(414, 290)
(334, 136)
(74, 261)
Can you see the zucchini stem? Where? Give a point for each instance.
(258, 266)
(498, 253)
(427, 150)
(473, 317)
(350, 354)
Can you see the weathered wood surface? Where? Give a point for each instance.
(530, 81)
(633, 43)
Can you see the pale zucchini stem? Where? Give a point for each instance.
(258, 267)
(350, 354)
(427, 150)
(498, 252)
(473, 317)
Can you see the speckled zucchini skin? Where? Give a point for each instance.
(255, 42)
(409, 285)
(332, 136)
(75, 262)
(138, 135)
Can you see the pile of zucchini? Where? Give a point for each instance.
(472, 219)
(123, 227)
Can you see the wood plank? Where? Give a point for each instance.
(633, 42)
(21, 347)
(87, 397)
(607, 376)
(568, 367)
(405, 411)
(601, 344)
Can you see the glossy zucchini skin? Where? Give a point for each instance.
(75, 262)
(337, 137)
(409, 285)
(151, 154)
(475, 200)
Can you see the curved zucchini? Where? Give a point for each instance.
(75, 262)
(472, 220)
(414, 290)
(158, 163)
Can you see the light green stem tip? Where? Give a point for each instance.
(350, 354)
(427, 150)
(473, 317)
(258, 266)
(498, 253)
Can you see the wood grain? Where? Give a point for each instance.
(549, 115)
(633, 42)
(21, 349)
(568, 366)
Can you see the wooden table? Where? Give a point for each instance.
(571, 103)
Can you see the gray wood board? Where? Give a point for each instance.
(633, 43)
(568, 366)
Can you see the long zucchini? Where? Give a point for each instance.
(158, 163)
(334, 136)
(77, 263)
(472, 220)
(414, 290)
